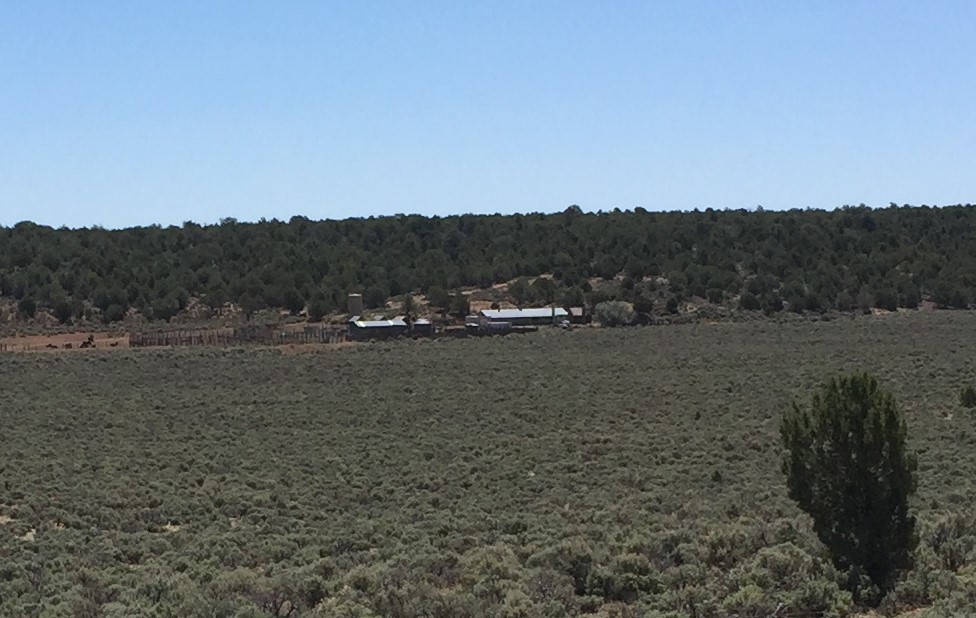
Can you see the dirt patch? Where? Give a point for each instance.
(5, 519)
(65, 341)
(29, 535)
(171, 527)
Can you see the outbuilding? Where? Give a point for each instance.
(422, 326)
(376, 329)
(578, 315)
(525, 317)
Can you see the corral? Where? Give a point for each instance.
(356, 329)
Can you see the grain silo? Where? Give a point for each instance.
(355, 304)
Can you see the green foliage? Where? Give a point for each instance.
(460, 305)
(548, 475)
(63, 309)
(573, 297)
(749, 302)
(408, 306)
(168, 306)
(814, 260)
(292, 300)
(27, 306)
(438, 297)
(613, 313)
(643, 304)
(114, 313)
(318, 308)
(521, 291)
(374, 297)
(848, 466)
(967, 397)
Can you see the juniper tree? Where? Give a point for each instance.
(848, 467)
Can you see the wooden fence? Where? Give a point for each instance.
(249, 335)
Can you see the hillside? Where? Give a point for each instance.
(807, 260)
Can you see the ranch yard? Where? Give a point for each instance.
(611, 472)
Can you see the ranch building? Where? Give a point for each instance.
(376, 329)
(524, 317)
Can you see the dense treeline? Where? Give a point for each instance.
(809, 260)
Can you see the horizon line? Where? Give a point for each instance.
(229, 220)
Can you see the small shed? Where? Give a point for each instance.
(578, 315)
(422, 326)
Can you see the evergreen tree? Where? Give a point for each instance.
(409, 307)
(847, 466)
(460, 306)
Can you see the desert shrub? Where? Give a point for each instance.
(589, 461)
(749, 302)
(820, 597)
(573, 557)
(550, 593)
(488, 572)
(952, 541)
(613, 313)
(629, 576)
(749, 602)
(643, 304)
(967, 397)
(807, 583)
(617, 610)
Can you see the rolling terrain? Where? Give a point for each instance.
(848, 259)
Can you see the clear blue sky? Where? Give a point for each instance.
(135, 112)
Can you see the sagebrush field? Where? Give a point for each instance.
(600, 471)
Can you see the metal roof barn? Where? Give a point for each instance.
(541, 313)
(379, 323)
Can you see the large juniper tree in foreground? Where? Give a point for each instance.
(847, 465)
